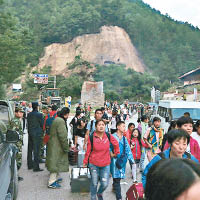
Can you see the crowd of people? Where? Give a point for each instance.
(108, 146)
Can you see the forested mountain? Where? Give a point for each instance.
(167, 47)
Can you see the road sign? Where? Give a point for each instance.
(41, 78)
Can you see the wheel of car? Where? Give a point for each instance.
(15, 182)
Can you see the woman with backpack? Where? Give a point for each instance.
(118, 164)
(115, 118)
(73, 123)
(98, 158)
(80, 133)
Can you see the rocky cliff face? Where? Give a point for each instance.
(111, 45)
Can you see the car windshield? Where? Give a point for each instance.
(178, 112)
(4, 113)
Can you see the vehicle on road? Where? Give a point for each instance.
(8, 165)
(51, 96)
(172, 110)
(8, 150)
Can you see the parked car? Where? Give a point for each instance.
(8, 150)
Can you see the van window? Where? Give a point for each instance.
(162, 111)
(178, 112)
(4, 116)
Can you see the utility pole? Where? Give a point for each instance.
(54, 84)
(54, 81)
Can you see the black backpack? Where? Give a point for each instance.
(91, 125)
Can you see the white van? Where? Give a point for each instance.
(172, 110)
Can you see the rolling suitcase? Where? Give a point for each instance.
(80, 179)
(135, 192)
(73, 156)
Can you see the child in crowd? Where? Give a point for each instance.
(129, 132)
(136, 144)
(142, 127)
(153, 138)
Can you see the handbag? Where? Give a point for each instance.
(121, 161)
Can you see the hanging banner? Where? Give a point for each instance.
(41, 78)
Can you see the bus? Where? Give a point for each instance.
(169, 110)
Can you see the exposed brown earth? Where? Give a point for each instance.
(111, 45)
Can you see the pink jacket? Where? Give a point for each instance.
(137, 151)
(194, 148)
(100, 156)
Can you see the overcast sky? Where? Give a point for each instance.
(181, 10)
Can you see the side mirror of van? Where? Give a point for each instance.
(12, 136)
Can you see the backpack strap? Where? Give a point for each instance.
(124, 144)
(91, 125)
(188, 155)
(91, 141)
(162, 155)
(108, 135)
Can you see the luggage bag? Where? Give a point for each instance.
(73, 156)
(80, 180)
(135, 192)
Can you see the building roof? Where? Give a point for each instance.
(189, 73)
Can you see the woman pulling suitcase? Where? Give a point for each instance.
(98, 158)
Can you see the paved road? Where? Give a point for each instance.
(34, 185)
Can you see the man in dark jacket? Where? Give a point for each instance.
(35, 125)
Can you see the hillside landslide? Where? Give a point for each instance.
(111, 45)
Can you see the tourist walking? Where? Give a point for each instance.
(98, 158)
(178, 140)
(117, 172)
(153, 138)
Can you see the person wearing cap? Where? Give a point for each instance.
(35, 129)
(16, 125)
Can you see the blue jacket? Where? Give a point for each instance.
(120, 173)
(156, 159)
